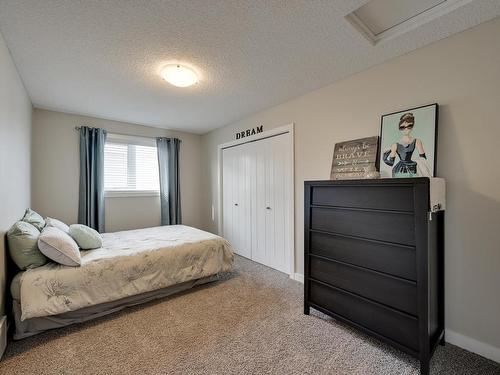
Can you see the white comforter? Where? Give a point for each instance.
(129, 263)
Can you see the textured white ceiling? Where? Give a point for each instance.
(102, 58)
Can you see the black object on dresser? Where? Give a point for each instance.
(374, 259)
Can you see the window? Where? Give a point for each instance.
(130, 166)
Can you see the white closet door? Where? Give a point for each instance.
(277, 246)
(228, 168)
(270, 212)
(260, 166)
(244, 196)
(256, 197)
(236, 200)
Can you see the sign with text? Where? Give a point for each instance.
(355, 159)
(249, 132)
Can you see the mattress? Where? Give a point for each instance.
(129, 263)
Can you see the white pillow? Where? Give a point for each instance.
(59, 246)
(51, 222)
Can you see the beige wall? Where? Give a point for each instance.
(55, 171)
(15, 145)
(462, 74)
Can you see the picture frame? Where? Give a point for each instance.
(408, 142)
(355, 159)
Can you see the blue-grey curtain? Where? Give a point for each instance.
(91, 198)
(170, 192)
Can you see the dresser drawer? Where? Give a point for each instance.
(393, 259)
(397, 293)
(399, 198)
(398, 327)
(379, 225)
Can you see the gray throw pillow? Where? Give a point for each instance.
(51, 222)
(59, 246)
(86, 237)
(34, 219)
(22, 238)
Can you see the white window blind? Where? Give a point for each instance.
(130, 164)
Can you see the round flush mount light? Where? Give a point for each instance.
(179, 75)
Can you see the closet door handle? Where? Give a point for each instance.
(268, 208)
(236, 204)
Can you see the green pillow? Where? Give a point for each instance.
(86, 237)
(22, 238)
(34, 219)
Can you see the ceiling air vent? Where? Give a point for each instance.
(378, 20)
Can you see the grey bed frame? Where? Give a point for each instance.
(33, 326)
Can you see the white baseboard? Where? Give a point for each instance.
(472, 345)
(3, 335)
(297, 277)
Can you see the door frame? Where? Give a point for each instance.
(291, 183)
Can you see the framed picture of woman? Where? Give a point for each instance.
(408, 143)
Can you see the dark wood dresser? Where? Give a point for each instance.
(374, 259)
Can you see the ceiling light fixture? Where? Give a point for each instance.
(179, 75)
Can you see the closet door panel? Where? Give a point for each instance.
(244, 200)
(259, 212)
(227, 194)
(235, 225)
(269, 213)
(269, 208)
(279, 208)
(281, 199)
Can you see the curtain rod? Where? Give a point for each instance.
(130, 135)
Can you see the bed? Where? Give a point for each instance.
(132, 267)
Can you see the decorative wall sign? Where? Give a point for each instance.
(355, 159)
(408, 142)
(249, 132)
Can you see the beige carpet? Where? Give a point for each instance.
(251, 323)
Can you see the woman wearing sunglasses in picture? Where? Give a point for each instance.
(404, 148)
